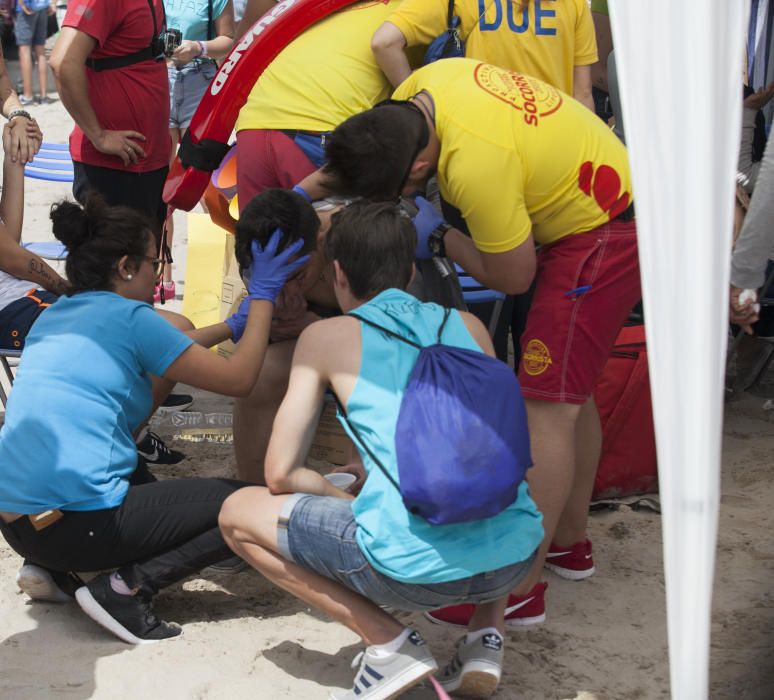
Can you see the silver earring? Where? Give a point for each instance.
(128, 277)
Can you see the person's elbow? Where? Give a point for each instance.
(515, 279)
(277, 483)
(57, 61)
(514, 286)
(241, 388)
(62, 66)
(387, 40)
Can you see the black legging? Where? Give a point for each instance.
(163, 532)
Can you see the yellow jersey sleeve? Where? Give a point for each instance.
(585, 37)
(496, 214)
(420, 21)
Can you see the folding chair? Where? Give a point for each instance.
(50, 250)
(5, 355)
(53, 162)
(475, 293)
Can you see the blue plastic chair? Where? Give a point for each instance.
(473, 292)
(53, 163)
(50, 250)
(5, 355)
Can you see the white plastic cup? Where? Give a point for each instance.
(341, 480)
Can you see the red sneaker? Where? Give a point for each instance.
(574, 563)
(529, 609)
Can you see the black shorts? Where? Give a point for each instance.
(17, 318)
(140, 191)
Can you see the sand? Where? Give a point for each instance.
(605, 638)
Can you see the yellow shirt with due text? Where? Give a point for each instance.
(519, 156)
(546, 39)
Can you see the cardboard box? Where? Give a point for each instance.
(231, 293)
(331, 444)
(209, 248)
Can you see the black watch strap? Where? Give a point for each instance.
(435, 240)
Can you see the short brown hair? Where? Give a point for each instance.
(374, 243)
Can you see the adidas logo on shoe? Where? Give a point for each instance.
(492, 641)
(416, 639)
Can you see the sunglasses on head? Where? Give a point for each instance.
(424, 135)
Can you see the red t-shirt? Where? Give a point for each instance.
(135, 97)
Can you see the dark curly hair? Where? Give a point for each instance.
(97, 236)
(275, 209)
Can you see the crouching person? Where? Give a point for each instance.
(352, 558)
(68, 500)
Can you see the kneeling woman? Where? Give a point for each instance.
(83, 388)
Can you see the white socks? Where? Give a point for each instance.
(380, 651)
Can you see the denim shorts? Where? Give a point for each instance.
(318, 533)
(186, 89)
(31, 30)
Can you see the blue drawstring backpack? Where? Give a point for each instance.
(449, 44)
(461, 440)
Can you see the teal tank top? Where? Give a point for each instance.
(400, 545)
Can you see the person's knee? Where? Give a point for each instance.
(234, 513)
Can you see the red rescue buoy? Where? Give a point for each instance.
(206, 141)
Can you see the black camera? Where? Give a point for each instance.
(168, 41)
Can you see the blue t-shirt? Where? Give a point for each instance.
(400, 545)
(190, 17)
(34, 5)
(81, 391)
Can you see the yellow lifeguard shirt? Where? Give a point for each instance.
(517, 155)
(324, 76)
(546, 38)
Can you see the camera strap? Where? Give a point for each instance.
(149, 53)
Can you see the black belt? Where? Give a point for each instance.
(114, 62)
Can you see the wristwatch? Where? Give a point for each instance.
(20, 113)
(435, 240)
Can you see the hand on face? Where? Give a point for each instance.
(270, 270)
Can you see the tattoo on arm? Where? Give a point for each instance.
(44, 274)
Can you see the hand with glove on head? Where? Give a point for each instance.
(265, 277)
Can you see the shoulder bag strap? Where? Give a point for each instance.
(361, 442)
(446, 314)
(392, 334)
(450, 16)
(146, 54)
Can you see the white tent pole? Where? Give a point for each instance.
(680, 76)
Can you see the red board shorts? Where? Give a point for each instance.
(266, 159)
(569, 334)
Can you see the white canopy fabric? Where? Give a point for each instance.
(680, 76)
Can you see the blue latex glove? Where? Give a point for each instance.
(426, 220)
(270, 270)
(300, 190)
(238, 322)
